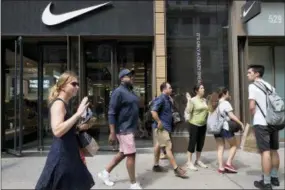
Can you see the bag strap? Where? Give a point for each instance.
(260, 109)
(219, 112)
(265, 90)
(265, 95)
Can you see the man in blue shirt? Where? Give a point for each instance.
(162, 114)
(123, 119)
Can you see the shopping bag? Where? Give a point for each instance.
(92, 147)
(248, 141)
(88, 143)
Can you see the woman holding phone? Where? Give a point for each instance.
(64, 168)
(197, 109)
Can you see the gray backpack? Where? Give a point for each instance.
(275, 108)
(215, 122)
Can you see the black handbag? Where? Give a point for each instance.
(234, 126)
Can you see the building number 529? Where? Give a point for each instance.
(275, 19)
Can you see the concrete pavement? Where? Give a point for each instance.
(22, 173)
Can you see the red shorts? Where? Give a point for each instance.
(127, 143)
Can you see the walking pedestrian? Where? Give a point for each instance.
(267, 139)
(123, 120)
(64, 168)
(198, 110)
(162, 114)
(220, 100)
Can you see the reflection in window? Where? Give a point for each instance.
(205, 26)
(208, 20)
(12, 93)
(187, 26)
(55, 58)
(172, 26)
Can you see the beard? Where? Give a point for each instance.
(129, 84)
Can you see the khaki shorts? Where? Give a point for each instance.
(163, 138)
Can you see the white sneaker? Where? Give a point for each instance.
(105, 177)
(135, 186)
(201, 164)
(191, 166)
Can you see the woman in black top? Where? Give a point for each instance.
(64, 168)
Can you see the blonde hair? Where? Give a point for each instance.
(63, 79)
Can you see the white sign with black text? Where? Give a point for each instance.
(198, 58)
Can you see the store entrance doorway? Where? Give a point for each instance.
(103, 61)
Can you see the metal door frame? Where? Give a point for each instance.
(18, 102)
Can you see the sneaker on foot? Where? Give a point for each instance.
(191, 166)
(158, 168)
(275, 181)
(221, 171)
(260, 185)
(201, 164)
(105, 177)
(230, 168)
(179, 172)
(135, 186)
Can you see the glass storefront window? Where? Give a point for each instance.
(280, 75)
(273, 59)
(30, 96)
(98, 86)
(197, 45)
(54, 64)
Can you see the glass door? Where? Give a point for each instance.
(14, 121)
(98, 59)
(279, 66)
(20, 94)
(54, 63)
(138, 57)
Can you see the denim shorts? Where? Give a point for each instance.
(225, 134)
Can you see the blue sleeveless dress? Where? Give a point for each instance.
(64, 169)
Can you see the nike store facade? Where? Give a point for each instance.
(95, 39)
(183, 42)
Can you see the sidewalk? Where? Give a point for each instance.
(22, 173)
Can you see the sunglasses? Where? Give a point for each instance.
(74, 84)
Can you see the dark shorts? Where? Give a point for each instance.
(266, 139)
(225, 134)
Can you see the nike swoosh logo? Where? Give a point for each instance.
(51, 19)
(245, 12)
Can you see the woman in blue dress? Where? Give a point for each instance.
(64, 169)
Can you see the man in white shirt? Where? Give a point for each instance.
(266, 139)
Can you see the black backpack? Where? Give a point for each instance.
(148, 115)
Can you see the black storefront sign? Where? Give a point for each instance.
(250, 10)
(100, 18)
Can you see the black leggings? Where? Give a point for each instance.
(197, 136)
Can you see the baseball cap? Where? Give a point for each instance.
(125, 72)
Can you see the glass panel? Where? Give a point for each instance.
(98, 81)
(139, 57)
(262, 56)
(280, 75)
(30, 99)
(54, 64)
(197, 46)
